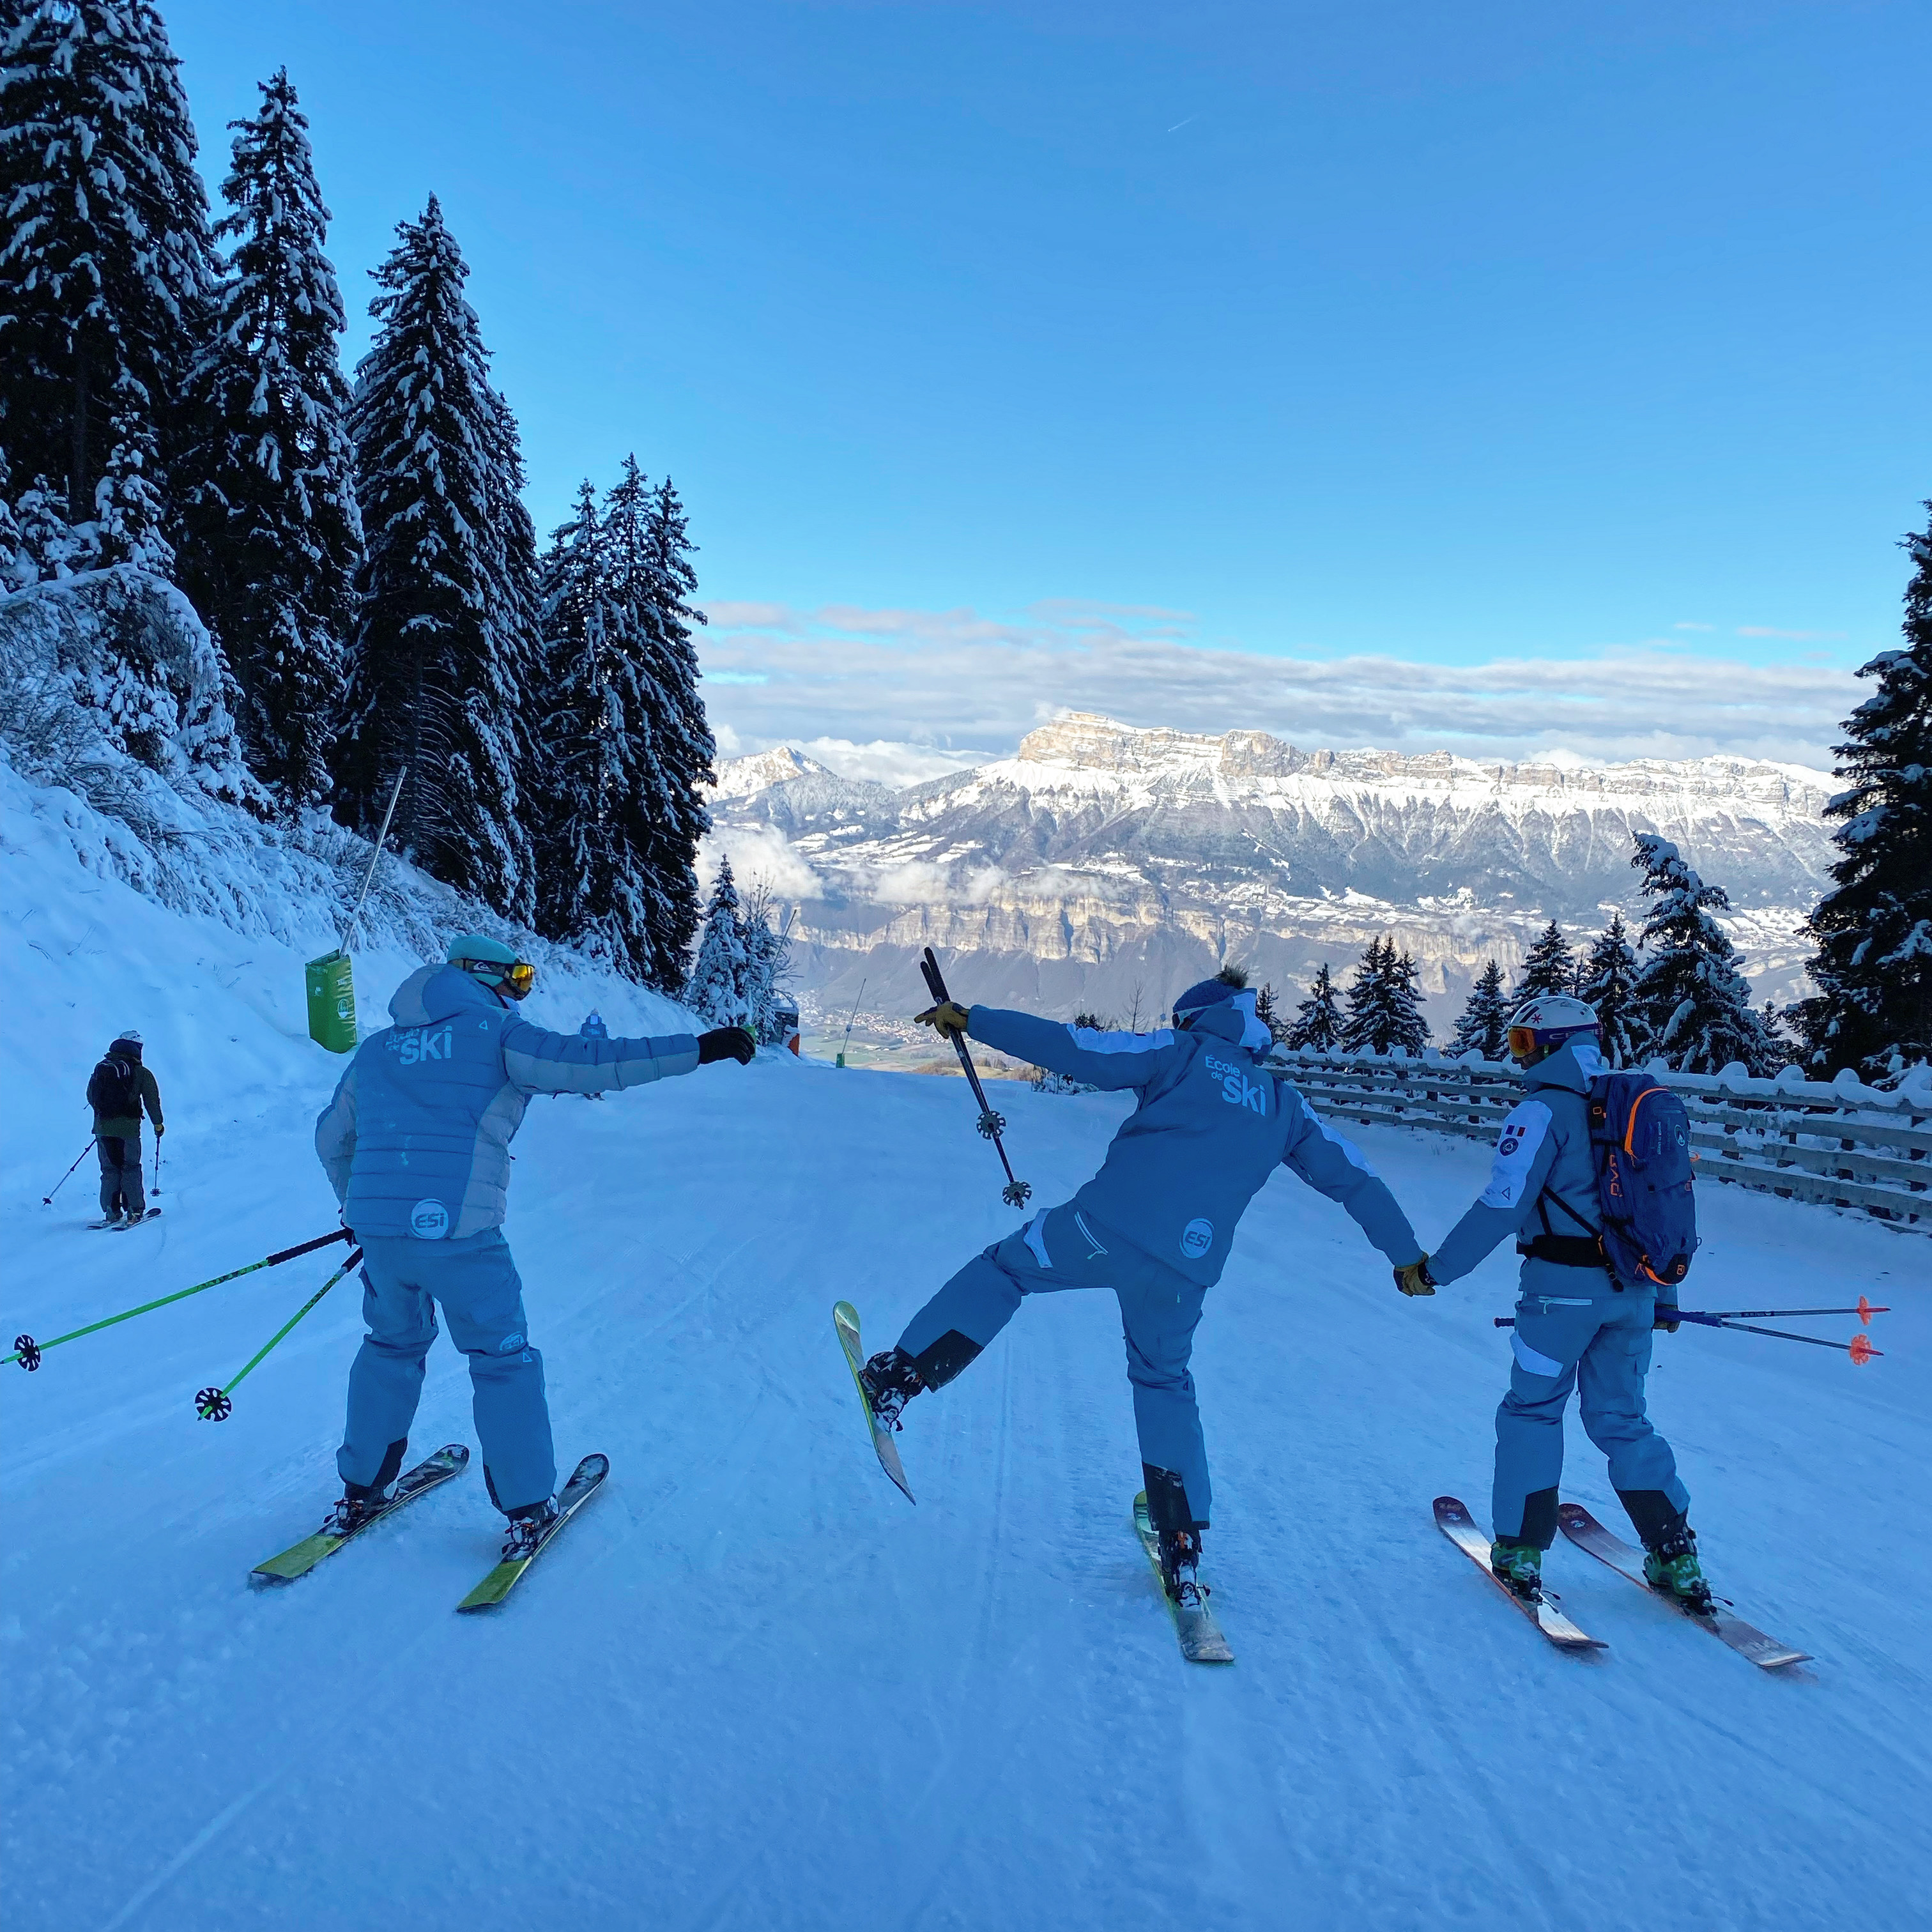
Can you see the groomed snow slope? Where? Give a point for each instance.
(752, 1687)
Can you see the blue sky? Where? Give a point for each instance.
(1360, 340)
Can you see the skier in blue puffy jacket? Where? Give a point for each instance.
(1155, 1225)
(1576, 1325)
(416, 1145)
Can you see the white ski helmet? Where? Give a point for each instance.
(1540, 1026)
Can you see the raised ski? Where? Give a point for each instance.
(586, 1481)
(1454, 1520)
(845, 1320)
(1202, 1641)
(1587, 1533)
(450, 1460)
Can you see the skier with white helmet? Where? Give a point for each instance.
(1577, 1326)
(416, 1145)
(1155, 1225)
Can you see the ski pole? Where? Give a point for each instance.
(1858, 1347)
(1016, 1193)
(1864, 1311)
(28, 1352)
(47, 1199)
(216, 1405)
(158, 1165)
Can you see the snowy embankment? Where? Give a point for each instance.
(752, 1686)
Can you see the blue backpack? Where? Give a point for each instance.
(1640, 1139)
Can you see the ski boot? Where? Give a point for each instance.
(891, 1379)
(107, 1221)
(527, 1529)
(356, 1505)
(1671, 1568)
(1518, 1567)
(1179, 1536)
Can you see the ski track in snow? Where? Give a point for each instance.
(751, 1686)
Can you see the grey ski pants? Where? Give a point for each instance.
(1065, 1247)
(1574, 1331)
(120, 1185)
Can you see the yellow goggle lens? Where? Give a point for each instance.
(520, 977)
(1522, 1040)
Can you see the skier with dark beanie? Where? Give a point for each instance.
(416, 1144)
(1155, 1225)
(120, 1090)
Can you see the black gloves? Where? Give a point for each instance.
(726, 1043)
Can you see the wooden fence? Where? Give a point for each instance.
(1843, 1145)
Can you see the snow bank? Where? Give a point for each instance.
(197, 937)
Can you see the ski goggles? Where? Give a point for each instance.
(516, 978)
(1527, 1042)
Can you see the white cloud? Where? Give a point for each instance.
(885, 762)
(759, 854)
(899, 695)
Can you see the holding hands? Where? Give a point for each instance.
(1415, 1278)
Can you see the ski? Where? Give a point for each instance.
(1201, 1639)
(585, 1482)
(1587, 1533)
(1456, 1522)
(150, 1215)
(845, 1320)
(449, 1461)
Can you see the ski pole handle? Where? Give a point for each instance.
(28, 1352)
(47, 1198)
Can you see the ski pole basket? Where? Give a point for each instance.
(1016, 1193)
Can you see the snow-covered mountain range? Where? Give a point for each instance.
(1105, 864)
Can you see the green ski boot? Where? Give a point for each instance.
(1519, 1566)
(1671, 1568)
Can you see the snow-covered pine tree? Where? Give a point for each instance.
(600, 797)
(1317, 1024)
(1267, 1011)
(1605, 978)
(446, 644)
(1484, 1024)
(1692, 1002)
(648, 580)
(1401, 1003)
(106, 271)
(272, 506)
(1364, 1000)
(1873, 1010)
(1550, 967)
(767, 958)
(686, 749)
(716, 991)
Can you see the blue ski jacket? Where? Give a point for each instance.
(1211, 1126)
(417, 1139)
(1543, 1179)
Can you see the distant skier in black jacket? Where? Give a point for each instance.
(120, 1090)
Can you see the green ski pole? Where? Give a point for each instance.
(28, 1352)
(215, 1404)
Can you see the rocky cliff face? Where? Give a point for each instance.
(1105, 862)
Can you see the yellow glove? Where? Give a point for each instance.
(946, 1019)
(1415, 1278)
